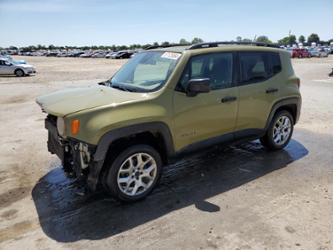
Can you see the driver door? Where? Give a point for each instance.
(6, 67)
(2, 67)
(206, 115)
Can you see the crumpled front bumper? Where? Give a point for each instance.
(76, 156)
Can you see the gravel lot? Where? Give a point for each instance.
(238, 197)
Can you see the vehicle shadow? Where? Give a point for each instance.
(66, 216)
(14, 76)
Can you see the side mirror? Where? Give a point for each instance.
(196, 86)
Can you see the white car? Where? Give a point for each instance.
(10, 68)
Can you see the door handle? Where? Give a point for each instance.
(228, 99)
(271, 90)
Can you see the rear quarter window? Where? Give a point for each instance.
(258, 66)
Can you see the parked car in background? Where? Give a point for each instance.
(121, 55)
(75, 53)
(110, 54)
(10, 68)
(86, 54)
(98, 54)
(318, 52)
(52, 53)
(300, 53)
(63, 54)
(10, 59)
(330, 50)
(323, 52)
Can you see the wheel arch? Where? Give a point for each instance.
(156, 134)
(292, 105)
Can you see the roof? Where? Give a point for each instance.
(179, 49)
(216, 46)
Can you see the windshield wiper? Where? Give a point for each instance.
(121, 87)
(105, 83)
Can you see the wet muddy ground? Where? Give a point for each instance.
(235, 197)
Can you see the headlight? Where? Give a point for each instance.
(61, 125)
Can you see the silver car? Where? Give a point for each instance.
(10, 68)
(318, 52)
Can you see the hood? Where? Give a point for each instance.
(24, 65)
(71, 100)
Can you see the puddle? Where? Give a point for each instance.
(9, 214)
(13, 195)
(16, 230)
(67, 217)
(15, 99)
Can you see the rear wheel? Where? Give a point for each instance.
(279, 132)
(19, 72)
(134, 173)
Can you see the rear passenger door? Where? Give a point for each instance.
(259, 78)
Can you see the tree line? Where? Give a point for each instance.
(288, 40)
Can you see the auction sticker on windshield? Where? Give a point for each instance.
(171, 55)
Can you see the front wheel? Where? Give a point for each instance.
(19, 72)
(279, 131)
(134, 173)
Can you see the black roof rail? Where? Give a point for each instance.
(216, 44)
(166, 46)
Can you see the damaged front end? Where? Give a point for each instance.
(76, 156)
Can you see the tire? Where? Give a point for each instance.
(19, 72)
(277, 138)
(128, 180)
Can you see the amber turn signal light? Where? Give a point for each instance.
(75, 126)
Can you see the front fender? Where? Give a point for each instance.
(113, 135)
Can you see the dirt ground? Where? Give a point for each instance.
(238, 197)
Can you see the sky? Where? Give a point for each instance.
(125, 22)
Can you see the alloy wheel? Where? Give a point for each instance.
(137, 174)
(282, 130)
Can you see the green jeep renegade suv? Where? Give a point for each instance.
(168, 101)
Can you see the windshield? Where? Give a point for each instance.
(146, 71)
